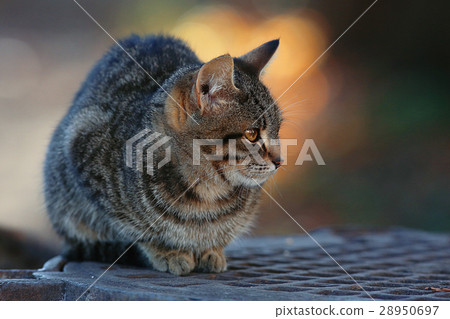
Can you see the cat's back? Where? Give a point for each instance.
(136, 65)
(117, 93)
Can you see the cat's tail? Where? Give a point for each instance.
(105, 252)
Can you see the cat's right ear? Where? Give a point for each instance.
(259, 58)
(214, 84)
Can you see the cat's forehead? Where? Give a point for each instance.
(256, 105)
(252, 107)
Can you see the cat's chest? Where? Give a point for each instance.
(208, 202)
(211, 194)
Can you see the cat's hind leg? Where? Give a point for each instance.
(56, 263)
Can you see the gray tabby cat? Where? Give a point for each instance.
(183, 214)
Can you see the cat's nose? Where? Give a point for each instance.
(277, 161)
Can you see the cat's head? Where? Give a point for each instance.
(225, 100)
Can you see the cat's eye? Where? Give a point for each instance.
(252, 134)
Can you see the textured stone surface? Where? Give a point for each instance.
(396, 264)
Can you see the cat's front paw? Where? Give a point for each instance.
(180, 263)
(173, 261)
(177, 263)
(212, 260)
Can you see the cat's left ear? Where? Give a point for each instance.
(215, 84)
(258, 58)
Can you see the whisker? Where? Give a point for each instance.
(292, 104)
(298, 116)
(293, 123)
(276, 186)
(292, 98)
(300, 111)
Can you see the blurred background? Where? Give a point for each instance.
(377, 104)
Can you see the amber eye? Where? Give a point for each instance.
(251, 134)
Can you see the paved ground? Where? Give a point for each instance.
(396, 264)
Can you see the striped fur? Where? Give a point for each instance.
(99, 205)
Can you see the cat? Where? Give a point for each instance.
(183, 214)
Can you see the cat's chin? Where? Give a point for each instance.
(239, 179)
